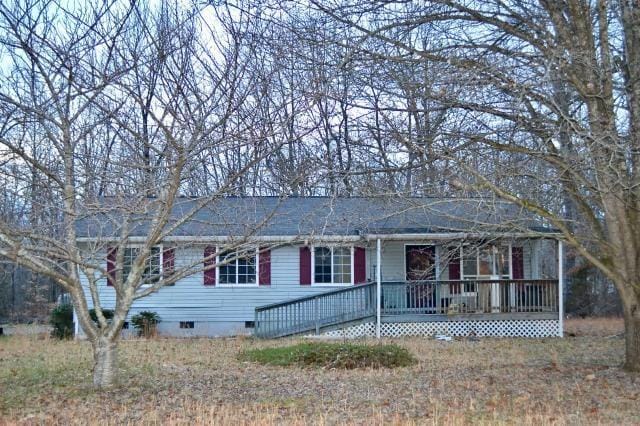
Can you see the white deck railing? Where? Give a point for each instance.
(469, 297)
(420, 300)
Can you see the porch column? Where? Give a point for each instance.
(76, 325)
(378, 286)
(560, 289)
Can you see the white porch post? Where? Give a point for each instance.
(560, 289)
(378, 286)
(76, 325)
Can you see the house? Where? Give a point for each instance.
(348, 266)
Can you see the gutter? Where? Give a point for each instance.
(218, 238)
(336, 238)
(460, 235)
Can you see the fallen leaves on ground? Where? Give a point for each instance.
(201, 381)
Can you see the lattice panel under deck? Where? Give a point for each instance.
(361, 330)
(502, 328)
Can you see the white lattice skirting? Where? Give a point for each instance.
(499, 328)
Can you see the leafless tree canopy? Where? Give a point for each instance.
(537, 103)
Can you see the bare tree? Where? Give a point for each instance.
(116, 100)
(514, 136)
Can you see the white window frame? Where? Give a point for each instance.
(161, 253)
(477, 276)
(313, 265)
(256, 255)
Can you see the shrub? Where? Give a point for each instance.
(332, 355)
(146, 323)
(61, 319)
(108, 314)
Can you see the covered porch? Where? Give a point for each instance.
(504, 286)
(409, 303)
(472, 299)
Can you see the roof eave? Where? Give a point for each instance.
(339, 238)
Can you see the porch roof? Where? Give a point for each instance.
(272, 218)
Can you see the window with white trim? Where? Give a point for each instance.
(332, 265)
(153, 267)
(237, 269)
(485, 262)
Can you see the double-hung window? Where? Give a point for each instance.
(153, 264)
(332, 265)
(238, 268)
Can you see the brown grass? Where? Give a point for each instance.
(602, 327)
(505, 381)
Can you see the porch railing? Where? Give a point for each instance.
(417, 300)
(317, 312)
(469, 297)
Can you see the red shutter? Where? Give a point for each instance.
(517, 263)
(264, 262)
(305, 266)
(168, 261)
(111, 265)
(359, 265)
(209, 265)
(454, 274)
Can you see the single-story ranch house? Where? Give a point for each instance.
(349, 266)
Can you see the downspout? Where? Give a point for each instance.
(560, 289)
(76, 326)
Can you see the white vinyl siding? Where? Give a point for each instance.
(191, 300)
(393, 259)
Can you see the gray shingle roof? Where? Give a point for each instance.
(305, 216)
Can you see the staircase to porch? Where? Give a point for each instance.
(318, 313)
(410, 301)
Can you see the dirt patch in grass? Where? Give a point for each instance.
(176, 381)
(332, 355)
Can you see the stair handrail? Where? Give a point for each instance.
(313, 296)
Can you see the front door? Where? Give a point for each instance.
(420, 262)
(420, 266)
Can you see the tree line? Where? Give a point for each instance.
(536, 103)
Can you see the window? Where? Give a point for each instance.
(332, 265)
(503, 261)
(249, 324)
(322, 273)
(187, 324)
(485, 262)
(153, 267)
(469, 262)
(341, 265)
(237, 269)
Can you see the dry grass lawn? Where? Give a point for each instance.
(510, 381)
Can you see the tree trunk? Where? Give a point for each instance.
(105, 354)
(632, 338)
